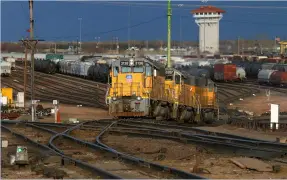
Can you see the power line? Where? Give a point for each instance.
(175, 5)
(244, 22)
(163, 17)
(187, 7)
(106, 32)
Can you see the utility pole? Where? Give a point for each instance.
(238, 46)
(180, 29)
(168, 33)
(242, 47)
(129, 28)
(30, 44)
(32, 58)
(77, 46)
(25, 75)
(118, 47)
(80, 19)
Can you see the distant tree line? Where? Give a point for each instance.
(101, 47)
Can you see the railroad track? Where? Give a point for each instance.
(39, 141)
(232, 92)
(169, 147)
(255, 84)
(113, 163)
(259, 124)
(49, 86)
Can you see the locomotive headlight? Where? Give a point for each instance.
(131, 62)
(139, 98)
(114, 98)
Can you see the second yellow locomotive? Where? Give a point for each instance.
(143, 88)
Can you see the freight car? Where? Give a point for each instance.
(99, 73)
(225, 72)
(5, 68)
(12, 61)
(141, 88)
(280, 67)
(264, 76)
(278, 78)
(45, 66)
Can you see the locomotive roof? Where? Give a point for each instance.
(157, 65)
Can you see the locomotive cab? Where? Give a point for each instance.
(130, 89)
(173, 83)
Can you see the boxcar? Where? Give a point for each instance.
(225, 72)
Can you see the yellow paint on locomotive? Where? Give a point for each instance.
(158, 88)
(187, 95)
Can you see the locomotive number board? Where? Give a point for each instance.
(136, 63)
(169, 72)
(125, 63)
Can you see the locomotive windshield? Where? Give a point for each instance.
(133, 66)
(126, 69)
(138, 69)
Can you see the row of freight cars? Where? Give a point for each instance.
(92, 69)
(252, 68)
(217, 72)
(272, 77)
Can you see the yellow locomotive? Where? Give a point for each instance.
(142, 88)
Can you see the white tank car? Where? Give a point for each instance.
(264, 76)
(240, 73)
(84, 66)
(12, 61)
(268, 65)
(5, 68)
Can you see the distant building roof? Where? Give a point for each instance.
(207, 9)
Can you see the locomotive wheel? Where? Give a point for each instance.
(208, 117)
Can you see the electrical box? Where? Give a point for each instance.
(4, 101)
(20, 99)
(8, 92)
(21, 155)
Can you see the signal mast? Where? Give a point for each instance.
(168, 33)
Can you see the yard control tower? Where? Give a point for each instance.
(207, 18)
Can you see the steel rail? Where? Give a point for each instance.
(138, 162)
(194, 130)
(76, 162)
(248, 143)
(245, 149)
(183, 174)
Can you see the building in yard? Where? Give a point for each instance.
(207, 18)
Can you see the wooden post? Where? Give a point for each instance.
(25, 75)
